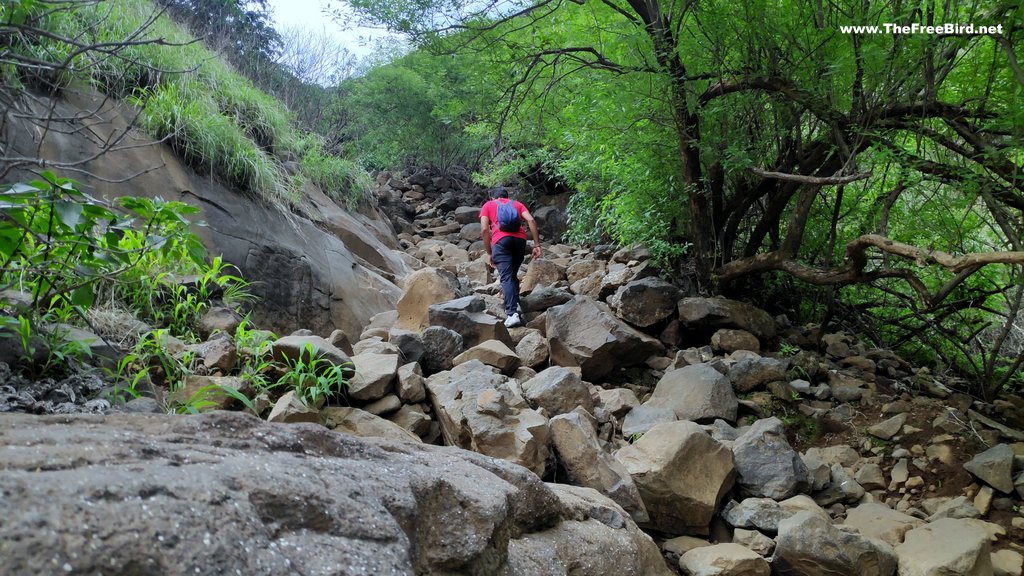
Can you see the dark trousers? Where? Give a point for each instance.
(508, 254)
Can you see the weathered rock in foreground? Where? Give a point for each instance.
(583, 332)
(224, 493)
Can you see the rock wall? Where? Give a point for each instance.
(315, 266)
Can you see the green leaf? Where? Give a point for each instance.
(70, 213)
(83, 295)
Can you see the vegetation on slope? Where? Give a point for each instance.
(214, 117)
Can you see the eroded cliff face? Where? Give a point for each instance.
(314, 266)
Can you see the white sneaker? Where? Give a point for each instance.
(513, 321)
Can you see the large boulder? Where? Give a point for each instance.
(879, 521)
(423, 288)
(682, 474)
(222, 493)
(478, 410)
(809, 545)
(579, 451)
(294, 348)
(361, 423)
(946, 546)
(558, 390)
(724, 560)
(375, 376)
(440, 347)
(697, 392)
(645, 302)
(585, 333)
(469, 318)
(709, 314)
(595, 537)
(541, 272)
(994, 467)
(766, 465)
(492, 353)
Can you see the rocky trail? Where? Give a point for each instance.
(629, 427)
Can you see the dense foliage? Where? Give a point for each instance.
(765, 143)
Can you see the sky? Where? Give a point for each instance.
(309, 14)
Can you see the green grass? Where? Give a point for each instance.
(341, 179)
(215, 118)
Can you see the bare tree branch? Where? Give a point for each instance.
(812, 180)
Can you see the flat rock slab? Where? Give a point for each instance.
(226, 493)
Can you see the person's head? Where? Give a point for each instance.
(499, 192)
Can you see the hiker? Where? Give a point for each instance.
(501, 225)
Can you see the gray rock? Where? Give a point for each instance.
(762, 514)
(886, 429)
(365, 424)
(384, 406)
(584, 333)
(1007, 563)
(682, 474)
(871, 477)
(290, 409)
(728, 340)
(467, 316)
(642, 418)
(946, 546)
(714, 313)
(809, 545)
(292, 348)
(617, 401)
(575, 441)
(842, 488)
(201, 485)
(754, 540)
(218, 319)
(766, 465)
(375, 376)
(544, 297)
(479, 411)
(413, 419)
(994, 467)
(492, 353)
(724, 560)
(441, 346)
(645, 302)
(596, 538)
(879, 521)
(697, 393)
(410, 383)
(409, 344)
(541, 272)
(558, 390)
(753, 374)
(532, 349)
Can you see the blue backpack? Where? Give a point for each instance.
(508, 217)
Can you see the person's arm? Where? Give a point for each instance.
(485, 232)
(533, 232)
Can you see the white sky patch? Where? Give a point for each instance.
(310, 14)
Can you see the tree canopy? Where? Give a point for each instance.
(758, 138)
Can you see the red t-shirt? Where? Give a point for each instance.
(490, 209)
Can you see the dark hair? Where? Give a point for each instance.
(499, 192)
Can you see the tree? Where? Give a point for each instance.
(820, 98)
(240, 28)
(770, 139)
(412, 112)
